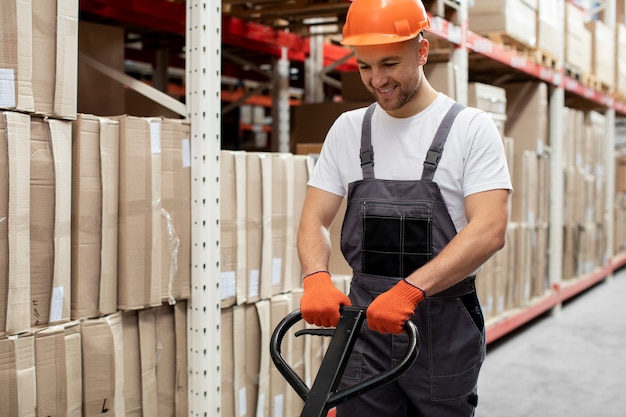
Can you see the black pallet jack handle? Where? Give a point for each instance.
(323, 395)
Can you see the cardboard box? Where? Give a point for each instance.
(551, 30)
(180, 332)
(42, 189)
(95, 177)
(148, 360)
(620, 59)
(240, 396)
(104, 382)
(18, 381)
(264, 398)
(540, 277)
(577, 41)
(4, 224)
(139, 255)
(252, 363)
(295, 357)
(132, 395)
(55, 58)
(227, 368)
(269, 275)
(620, 174)
(443, 77)
(254, 226)
(527, 124)
(176, 210)
(516, 19)
(229, 245)
(280, 307)
(74, 369)
(283, 237)
(15, 230)
(602, 52)
(489, 98)
(51, 368)
(301, 177)
(50, 220)
(16, 56)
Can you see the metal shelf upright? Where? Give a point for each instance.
(203, 80)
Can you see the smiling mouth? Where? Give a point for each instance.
(386, 91)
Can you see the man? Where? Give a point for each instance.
(421, 219)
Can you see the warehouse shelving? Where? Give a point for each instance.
(206, 30)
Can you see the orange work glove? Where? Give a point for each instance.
(392, 309)
(321, 300)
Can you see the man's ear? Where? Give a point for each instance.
(423, 49)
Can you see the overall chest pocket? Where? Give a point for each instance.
(397, 237)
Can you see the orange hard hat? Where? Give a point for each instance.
(376, 22)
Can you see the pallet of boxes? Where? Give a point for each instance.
(94, 235)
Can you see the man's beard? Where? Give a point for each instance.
(403, 97)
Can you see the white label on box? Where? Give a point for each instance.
(7, 87)
(253, 283)
(277, 269)
(186, 151)
(279, 401)
(228, 284)
(260, 406)
(155, 136)
(56, 304)
(243, 402)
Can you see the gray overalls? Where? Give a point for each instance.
(390, 229)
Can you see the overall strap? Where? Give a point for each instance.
(436, 147)
(367, 153)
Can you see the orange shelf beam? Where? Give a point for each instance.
(560, 293)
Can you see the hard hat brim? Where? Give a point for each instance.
(375, 39)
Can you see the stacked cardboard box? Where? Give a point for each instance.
(38, 61)
(513, 21)
(584, 193)
(619, 213)
(578, 41)
(38, 67)
(550, 31)
(261, 197)
(527, 125)
(620, 60)
(602, 53)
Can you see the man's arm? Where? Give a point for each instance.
(319, 210)
(321, 301)
(484, 235)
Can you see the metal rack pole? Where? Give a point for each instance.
(556, 138)
(203, 79)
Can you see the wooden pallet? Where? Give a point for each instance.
(544, 58)
(573, 72)
(588, 80)
(593, 82)
(619, 96)
(447, 9)
(509, 42)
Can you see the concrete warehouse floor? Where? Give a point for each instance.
(568, 363)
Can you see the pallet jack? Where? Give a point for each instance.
(323, 396)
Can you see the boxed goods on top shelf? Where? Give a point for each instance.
(38, 60)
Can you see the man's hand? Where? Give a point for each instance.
(321, 300)
(392, 309)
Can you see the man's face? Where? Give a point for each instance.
(393, 73)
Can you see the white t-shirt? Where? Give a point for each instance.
(473, 158)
